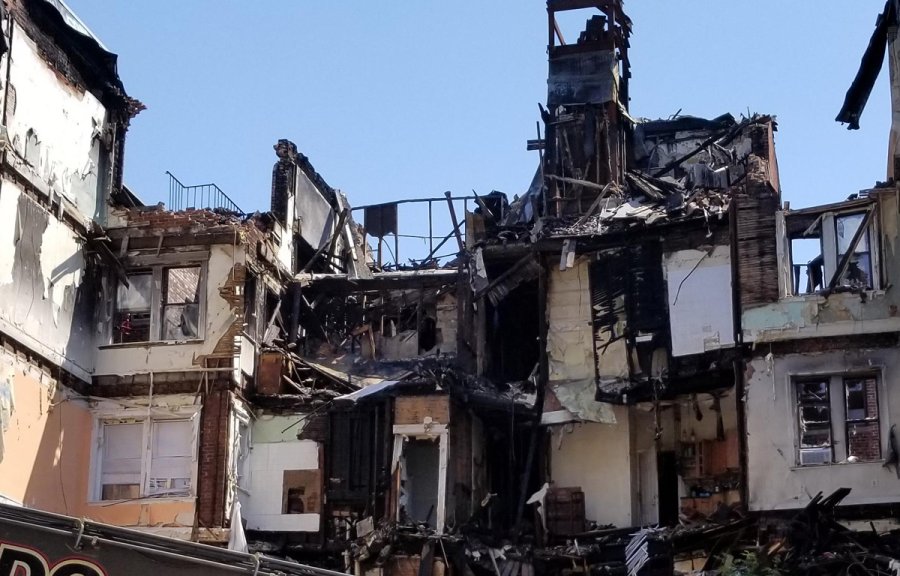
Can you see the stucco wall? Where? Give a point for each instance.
(45, 299)
(775, 479)
(169, 356)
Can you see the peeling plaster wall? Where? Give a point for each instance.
(55, 128)
(570, 338)
(127, 359)
(775, 480)
(46, 301)
(814, 316)
(598, 458)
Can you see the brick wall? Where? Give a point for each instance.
(211, 473)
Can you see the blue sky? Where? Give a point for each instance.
(404, 99)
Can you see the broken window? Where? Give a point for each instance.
(829, 244)
(160, 304)
(863, 427)
(128, 472)
(180, 312)
(814, 408)
(133, 304)
(820, 402)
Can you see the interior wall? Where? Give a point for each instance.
(597, 458)
(278, 461)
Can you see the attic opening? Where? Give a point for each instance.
(513, 332)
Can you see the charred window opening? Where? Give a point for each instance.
(133, 306)
(272, 316)
(832, 249)
(821, 402)
(814, 416)
(251, 317)
(863, 426)
(513, 333)
(421, 466)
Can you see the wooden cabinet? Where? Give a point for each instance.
(709, 458)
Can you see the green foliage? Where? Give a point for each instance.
(748, 564)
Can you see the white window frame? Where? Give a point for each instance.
(838, 412)
(157, 271)
(191, 414)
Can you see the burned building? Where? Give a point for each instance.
(647, 337)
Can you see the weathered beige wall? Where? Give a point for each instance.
(817, 316)
(598, 458)
(776, 481)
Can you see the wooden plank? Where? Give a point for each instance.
(414, 409)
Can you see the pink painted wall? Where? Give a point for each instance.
(46, 460)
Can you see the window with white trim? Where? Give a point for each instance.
(838, 419)
(145, 458)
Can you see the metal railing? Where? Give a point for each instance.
(201, 196)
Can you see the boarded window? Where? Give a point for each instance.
(121, 461)
(133, 303)
(863, 427)
(180, 303)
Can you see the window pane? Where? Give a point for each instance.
(864, 441)
(813, 437)
(846, 227)
(182, 285)
(818, 414)
(862, 399)
(121, 461)
(180, 322)
(131, 322)
(813, 391)
(171, 455)
(136, 296)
